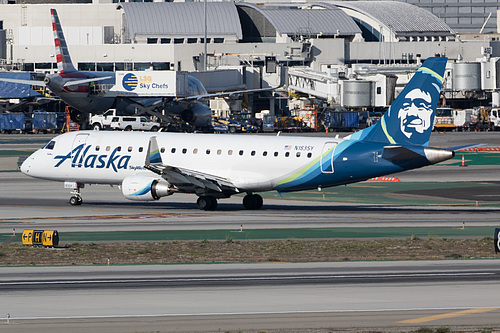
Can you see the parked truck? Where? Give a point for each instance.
(448, 119)
(495, 119)
(102, 121)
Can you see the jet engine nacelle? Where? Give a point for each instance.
(144, 188)
(198, 115)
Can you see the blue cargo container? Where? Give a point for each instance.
(12, 121)
(341, 120)
(44, 120)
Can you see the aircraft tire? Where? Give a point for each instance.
(96, 127)
(206, 203)
(75, 201)
(252, 201)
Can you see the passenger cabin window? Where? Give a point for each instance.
(173, 150)
(141, 149)
(162, 150)
(275, 154)
(230, 152)
(264, 153)
(219, 151)
(252, 153)
(287, 154)
(184, 150)
(118, 148)
(241, 152)
(298, 154)
(309, 155)
(130, 148)
(97, 148)
(208, 151)
(195, 151)
(108, 148)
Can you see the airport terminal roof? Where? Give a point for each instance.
(181, 19)
(331, 21)
(402, 18)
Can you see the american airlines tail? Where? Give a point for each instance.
(410, 118)
(64, 63)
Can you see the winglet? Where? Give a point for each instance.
(153, 156)
(64, 63)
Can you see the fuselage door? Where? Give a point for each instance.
(326, 160)
(78, 149)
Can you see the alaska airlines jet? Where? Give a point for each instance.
(148, 166)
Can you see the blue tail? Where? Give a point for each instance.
(410, 118)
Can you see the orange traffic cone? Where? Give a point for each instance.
(463, 160)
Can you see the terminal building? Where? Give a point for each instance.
(318, 50)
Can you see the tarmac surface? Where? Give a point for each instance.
(284, 297)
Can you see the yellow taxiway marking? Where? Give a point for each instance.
(445, 315)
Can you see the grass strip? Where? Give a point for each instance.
(269, 234)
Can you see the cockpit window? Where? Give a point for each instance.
(50, 145)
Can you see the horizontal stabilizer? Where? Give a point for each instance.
(398, 153)
(457, 148)
(79, 82)
(29, 82)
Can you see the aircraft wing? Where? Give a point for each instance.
(29, 82)
(223, 94)
(185, 179)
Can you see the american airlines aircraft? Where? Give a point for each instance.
(148, 166)
(73, 87)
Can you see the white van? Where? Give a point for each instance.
(128, 123)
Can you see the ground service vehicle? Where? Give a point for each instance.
(128, 123)
(102, 121)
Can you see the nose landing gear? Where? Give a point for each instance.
(76, 199)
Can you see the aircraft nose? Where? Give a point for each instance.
(26, 165)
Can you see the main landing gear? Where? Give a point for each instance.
(207, 202)
(250, 202)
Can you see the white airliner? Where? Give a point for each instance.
(148, 166)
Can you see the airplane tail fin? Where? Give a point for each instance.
(410, 118)
(64, 63)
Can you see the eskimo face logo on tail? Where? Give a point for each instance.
(414, 109)
(80, 158)
(416, 113)
(130, 82)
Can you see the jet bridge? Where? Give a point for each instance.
(321, 85)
